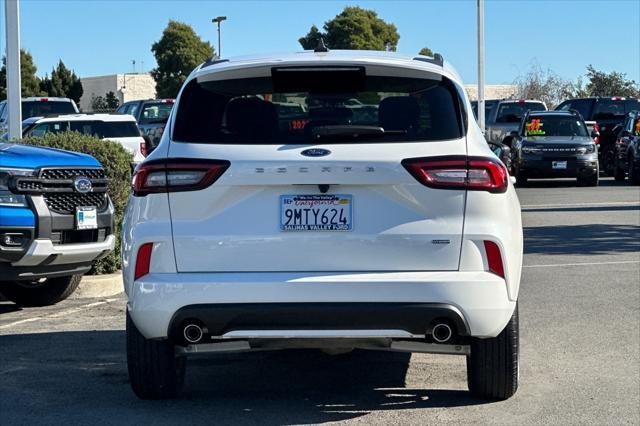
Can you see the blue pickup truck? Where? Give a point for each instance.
(56, 219)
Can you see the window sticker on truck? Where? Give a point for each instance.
(534, 128)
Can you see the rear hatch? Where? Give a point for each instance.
(322, 187)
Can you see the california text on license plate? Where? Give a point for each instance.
(316, 212)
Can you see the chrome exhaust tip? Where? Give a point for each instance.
(192, 333)
(441, 333)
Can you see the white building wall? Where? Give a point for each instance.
(127, 87)
(492, 91)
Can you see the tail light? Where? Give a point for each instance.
(143, 260)
(494, 258)
(143, 149)
(459, 172)
(176, 175)
(596, 128)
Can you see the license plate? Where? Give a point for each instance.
(559, 164)
(86, 218)
(316, 212)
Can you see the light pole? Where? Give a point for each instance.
(12, 20)
(218, 20)
(481, 116)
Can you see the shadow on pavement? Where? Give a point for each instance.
(582, 239)
(81, 377)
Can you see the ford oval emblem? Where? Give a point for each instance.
(315, 152)
(82, 184)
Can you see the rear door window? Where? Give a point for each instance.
(512, 112)
(50, 127)
(106, 129)
(156, 112)
(583, 106)
(43, 108)
(330, 106)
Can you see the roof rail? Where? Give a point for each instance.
(213, 61)
(436, 60)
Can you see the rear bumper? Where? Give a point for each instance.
(476, 302)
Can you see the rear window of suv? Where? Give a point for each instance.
(156, 112)
(323, 105)
(614, 108)
(101, 129)
(42, 108)
(512, 112)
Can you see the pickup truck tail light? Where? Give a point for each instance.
(176, 175)
(459, 172)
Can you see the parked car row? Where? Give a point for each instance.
(56, 217)
(609, 121)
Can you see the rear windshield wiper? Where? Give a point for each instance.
(353, 131)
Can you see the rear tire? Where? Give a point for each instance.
(608, 159)
(34, 293)
(618, 173)
(590, 180)
(155, 372)
(492, 366)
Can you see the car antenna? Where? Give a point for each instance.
(321, 47)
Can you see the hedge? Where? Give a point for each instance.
(117, 166)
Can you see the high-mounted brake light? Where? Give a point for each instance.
(143, 260)
(494, 258)
(176, 175)
(521, 101)
(459, 172)
(168, 101)
(44, 99)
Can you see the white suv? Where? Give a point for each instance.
(335, 227)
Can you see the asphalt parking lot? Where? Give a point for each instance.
(580, 343)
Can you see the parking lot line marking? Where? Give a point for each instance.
(58, 314)
(582, 264)
(618, 203)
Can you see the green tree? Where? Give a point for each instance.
(355, 28)
(425, 51)
(610, 84)
(29, 81)
(112, 100)
(99, 104)
(177, 53)
(63, 83)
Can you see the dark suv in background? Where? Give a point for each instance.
(627, 149)
(552, 144)
(607, 112)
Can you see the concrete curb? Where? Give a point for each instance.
(99, 286)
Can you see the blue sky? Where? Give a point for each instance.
(96, 37)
